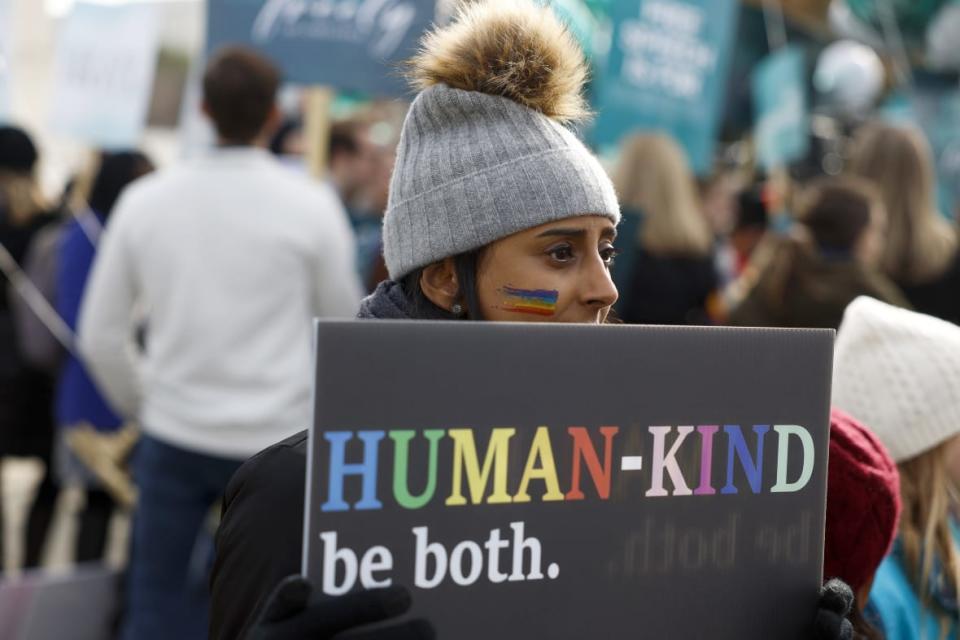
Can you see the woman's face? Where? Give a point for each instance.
(557, 272)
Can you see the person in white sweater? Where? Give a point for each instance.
(229, 257)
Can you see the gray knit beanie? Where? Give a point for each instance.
(484, 152)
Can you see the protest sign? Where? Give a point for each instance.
(780, 106)
(561, 481)
(103, 73)
(6, 36)
(667, 71)
(346, 44)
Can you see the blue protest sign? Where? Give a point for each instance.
(780, 105)
(667, 71)
(346, 44)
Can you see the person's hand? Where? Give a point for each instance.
(294, 612)
(836, 601)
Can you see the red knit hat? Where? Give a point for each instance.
(863, 502)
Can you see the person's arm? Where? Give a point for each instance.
(255, 590)
(104, 327)
(260, 537)
(338, 288)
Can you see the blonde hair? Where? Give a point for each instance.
(927, 496)
(653, 177)
(920, 243)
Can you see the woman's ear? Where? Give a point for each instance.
(439, 283)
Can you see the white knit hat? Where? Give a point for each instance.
(899, 373)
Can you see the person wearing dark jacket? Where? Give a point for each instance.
(808, 278)
(505, 236)
(26, 391)
(666, 272)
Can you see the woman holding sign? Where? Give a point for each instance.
(497, 212)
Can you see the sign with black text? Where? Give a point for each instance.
(346, 44)
(565, 481)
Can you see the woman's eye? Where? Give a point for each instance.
(562, 253)
(608, 255)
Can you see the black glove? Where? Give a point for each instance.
(294, 612)
(836, 601)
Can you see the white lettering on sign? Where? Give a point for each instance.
(380, 24)
(663, 50)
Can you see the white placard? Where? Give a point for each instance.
(6, 51)
(103, 73)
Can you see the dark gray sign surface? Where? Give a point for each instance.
(560, 481)
(347, 44)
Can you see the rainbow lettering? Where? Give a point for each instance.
(483, 477)
(536, 301)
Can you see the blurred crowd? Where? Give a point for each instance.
(114, 271)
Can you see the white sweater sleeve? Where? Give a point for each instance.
(105, 325)
(338, 288)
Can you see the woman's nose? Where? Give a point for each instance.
(598, 289)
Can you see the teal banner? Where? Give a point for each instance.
(780, 107)
(667, 71)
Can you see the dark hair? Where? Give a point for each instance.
(838, 211)
(344, 138)
(117, 170)
(239, 90)
(751, 209)
(423, 308)
(18, 154)
(290, 127)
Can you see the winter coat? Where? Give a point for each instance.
(660, 289)
(254, 553)
(898, 604)
(26, 392)
(801, 287)
(939, 297)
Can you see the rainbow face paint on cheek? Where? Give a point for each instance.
(538, 302)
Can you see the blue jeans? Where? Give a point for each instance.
(166, 586)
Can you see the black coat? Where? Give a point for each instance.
(669, 289)
(939, 297)
(260, 538)
(26, 393)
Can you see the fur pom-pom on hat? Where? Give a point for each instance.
(484, 152)
(510, 48)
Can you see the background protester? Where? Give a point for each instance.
(80, 408)
(807, 278)
(231, 256)
(921, 249)
(898, 371)
(750, 225)
(667, 272)
(26, 391)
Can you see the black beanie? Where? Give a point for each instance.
(17, 152)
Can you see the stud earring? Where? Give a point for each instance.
(456, 309)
